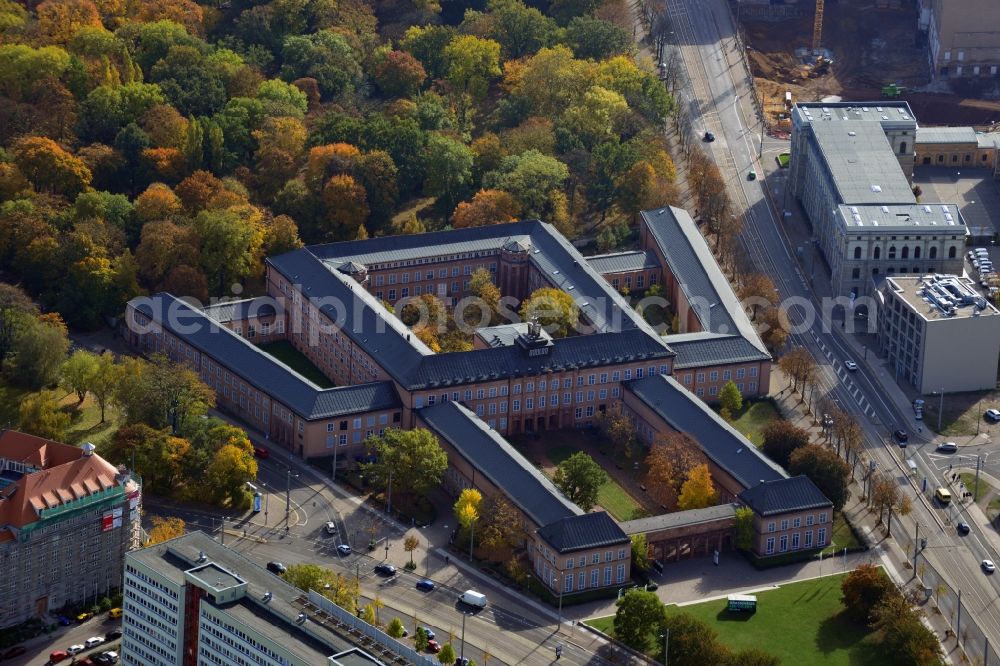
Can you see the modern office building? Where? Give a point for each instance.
(851, 167)
(67, 519)
(963, 37)
(193, 602)
(939, 333)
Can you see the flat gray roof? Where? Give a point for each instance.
(676, 519)
(623, 262)
(936, 217)
(862, 163)
(275, 619)
(946, 135)
(960, 291)
(888, 114)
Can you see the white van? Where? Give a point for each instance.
(473, 598)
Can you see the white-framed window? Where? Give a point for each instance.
(620, 574)
(607, 575)
(821, 537)
(809, 539)
(594, 578)
(795, 541)
(822, 518)
(784, 524)
(770, 546)
(770, 526)
(783, 543)
(796, 523)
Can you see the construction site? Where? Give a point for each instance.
(852, 50)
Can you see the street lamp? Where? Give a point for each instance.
(461, 652)
(555, 583)
(666, 646)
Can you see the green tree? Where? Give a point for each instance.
(519, 29)
(231, 242)
(692, 641)
(324, 56)
(228, 473)
(395, 628)
(597, 39)
(427, 44)
(579, 477)
(448, 165)
(472, 63)
(830, 474)
(640, 552)
(697, 491)
(78, 372)
(863, 589)
(730, 399)
(308, 576)
(412, 458)
(447, 654)
(41, 415)
(781, 438)
(16, 311)
(554, 309)
(903, 636)
(529, 177)
(158, 457)
(40, 350)
(745, 534)
(420, 639)
(639, 614)
(161, 393)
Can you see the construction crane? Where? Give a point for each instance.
(818, 25)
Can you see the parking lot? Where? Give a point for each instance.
(39, 649)
(974, 191)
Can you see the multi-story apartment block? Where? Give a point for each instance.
(192, 602)
(963, 37)
(67, 519)
(851, 165)
(939, 333)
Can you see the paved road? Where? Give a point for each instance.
(41, 647)
(719, 101)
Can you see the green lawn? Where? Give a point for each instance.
(85, 418)
(611, 496)
(753, 417)
(842, 537)
(800, 623)
(784, 159)
(293, 358)
(985, 489)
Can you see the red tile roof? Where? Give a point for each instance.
(66, 475)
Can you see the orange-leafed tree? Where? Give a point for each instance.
(185, 12)
(158, 202)
(58, 20)
(346, 206)
(168, 163)
(50, 168)
(698, 491)
(328, 160)
(487, 207)
(672, 456)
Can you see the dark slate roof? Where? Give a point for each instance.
(260, 369)
(677, 519)
(358, 314)
(624, 262)
(495, 458)
(580, 351)
(591, 530)
(797, 493)
(227, 311)
(696, 350)
(699, 275)
(720, 442)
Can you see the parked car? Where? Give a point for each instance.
(947, 447)
(64, 621)
(385, 569)
(751, 175)
(433, 646)
(261, 452)
(992, 415)
(74, 649)
(94, 641)
(330, 527)
(709, 137)
(343, 550)
(113, 634)
(276, 567)
(428, 632)
(902, 437)
(15, 651)
(988, 566)
(57, 656)
(110, 657)
(115, 613)
(963, 528)
(83, 617)
(425, 585)
(851, 365)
